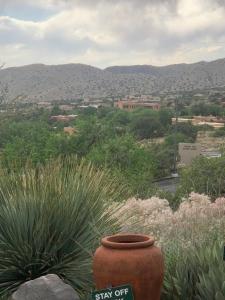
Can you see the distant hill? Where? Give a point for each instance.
(60, 82)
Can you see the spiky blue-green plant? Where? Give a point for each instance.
(51, 219)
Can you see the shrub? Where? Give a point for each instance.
(51, 219)
(205, 176)
(191, 239)
(219, 132)
(211, 282)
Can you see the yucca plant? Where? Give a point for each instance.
(211, 285)
(196, 272)
(181, 274)
(51, 219)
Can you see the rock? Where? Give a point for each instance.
(49, 287)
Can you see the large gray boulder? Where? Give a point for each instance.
(49, 287)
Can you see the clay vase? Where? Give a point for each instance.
(130, 259)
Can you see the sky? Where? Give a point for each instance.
(103, 33)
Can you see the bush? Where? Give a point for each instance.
(219, 132)
(186, 129)
(51, 220)
(191, 239)
(204, 176)
(196, 272)
(211, 282)
(133, 164)
(146, 126)
(205, 127)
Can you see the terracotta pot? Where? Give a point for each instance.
(130, 259)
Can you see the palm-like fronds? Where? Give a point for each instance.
(51, 218)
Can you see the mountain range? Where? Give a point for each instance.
(40, 82)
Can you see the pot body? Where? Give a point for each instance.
(141, 267)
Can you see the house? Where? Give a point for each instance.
(45, 105)
(215, 122)
(66, 107)
(63, 118)
(130, 105)
(69, 130)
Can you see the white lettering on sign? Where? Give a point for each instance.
(110, 294)
(121, 292)
(103, 296)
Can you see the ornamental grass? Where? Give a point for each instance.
(192, 239)
(51, 220)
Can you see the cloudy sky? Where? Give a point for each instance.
(111, 32)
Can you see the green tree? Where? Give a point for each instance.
(146, 127)
(206, 176)
(187, 129)
(56, 110)
(133, 164)
(165, 117)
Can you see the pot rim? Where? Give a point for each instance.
(127, 241)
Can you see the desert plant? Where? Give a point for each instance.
(196, 272)
(51, 219)
(211, 285)
(192, 239)
(182, 272)
(204, 176)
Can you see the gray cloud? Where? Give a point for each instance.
(106, 32)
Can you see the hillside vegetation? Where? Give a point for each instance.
(72, 81)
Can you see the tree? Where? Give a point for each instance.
(187, 129)
(204, 176)
(165, 117)
(133, 164)
(32, 140)
(206, 109)
(147, 127)
(56, 110)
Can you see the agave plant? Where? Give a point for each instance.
(51, 219)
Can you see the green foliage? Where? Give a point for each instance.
(194, 273)
(220, 132)
(181, 276)
(56, 110)
(187, 129)
(29, 140)
(146, 126)
(164, 158)
(211, 284)
(165, 117)
(205, 127)
(202, 109)
(91, 132)
(175, 138)
(119, 118)
(102, 136)
(204, 176)
(51, 220)
(132, 163)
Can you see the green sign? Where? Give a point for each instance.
(123, 292)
